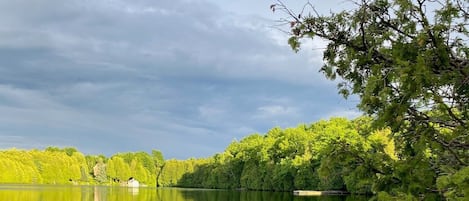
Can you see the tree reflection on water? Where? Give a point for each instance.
(106, 193)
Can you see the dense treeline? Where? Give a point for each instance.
(68, 166)
(51, 166)
(140, 165)
(335, 154)
(327, 155)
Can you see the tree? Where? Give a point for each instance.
(80, 160)
(158, 160)
(158, 157)
(407, 60)
(99, 171)
(118, 170)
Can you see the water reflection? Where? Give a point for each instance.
(105, 193)
(133, 191)
(99, 194)
(259, 196)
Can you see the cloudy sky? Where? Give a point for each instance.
(186, 77)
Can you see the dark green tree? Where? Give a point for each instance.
(407, 61)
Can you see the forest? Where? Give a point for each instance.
(69, 166)
(334, 154)
(406, 61)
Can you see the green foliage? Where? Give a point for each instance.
(68, 166)
(157, 157)
(14, 169)
(174, 173)
(52, 166)
(408, 63)
(117, 169)
(337, 154)
(455, 186)
(99, 172)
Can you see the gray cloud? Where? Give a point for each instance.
(186, 77)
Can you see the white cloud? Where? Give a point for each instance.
(342, 112)
(270, 111)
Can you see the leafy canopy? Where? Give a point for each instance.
(407, 60)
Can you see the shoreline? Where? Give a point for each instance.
(318, 193)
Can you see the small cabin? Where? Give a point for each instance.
(132, 182)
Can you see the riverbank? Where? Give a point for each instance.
(318, 193)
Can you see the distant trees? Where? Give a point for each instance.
(63, 166)
(140, 165)
(334, 154)
(99, 171)
(52, 166)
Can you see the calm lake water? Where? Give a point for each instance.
(105, 193)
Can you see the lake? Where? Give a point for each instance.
(106, 193)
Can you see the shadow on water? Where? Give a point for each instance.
(210, 195)
(105, 193)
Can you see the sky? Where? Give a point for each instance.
(186, 77)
